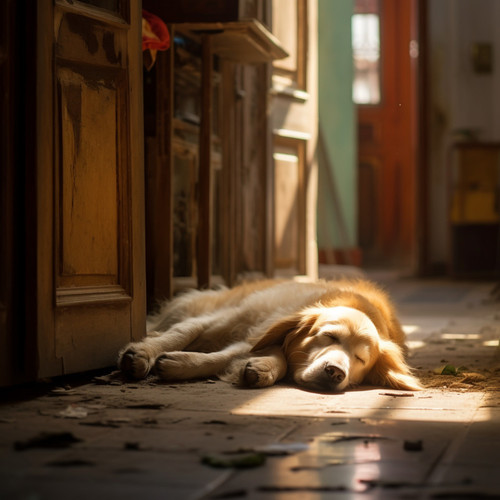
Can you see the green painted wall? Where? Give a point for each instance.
(337, 121)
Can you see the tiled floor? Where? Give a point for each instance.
(209, 440)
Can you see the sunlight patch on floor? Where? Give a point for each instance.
(437, 405)
(460, 336)
(409, 329)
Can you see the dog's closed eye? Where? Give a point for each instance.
(333, 333)
(334, 338)
(361, 360)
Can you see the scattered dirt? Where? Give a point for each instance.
(479, 381)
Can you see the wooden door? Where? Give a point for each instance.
(294, 117)
(89, 183)
(385, 89)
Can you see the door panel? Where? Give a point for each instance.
(92, 236)
(87, 184)
(295, 116)
(386, 86)
(289, 215)
(291, 28)
(92, 199)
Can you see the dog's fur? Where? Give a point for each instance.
(326, 336)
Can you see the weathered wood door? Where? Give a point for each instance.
(90, 290)
(294, 118)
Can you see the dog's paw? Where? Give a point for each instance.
(259, 373)
(135, 362)
(173, 365)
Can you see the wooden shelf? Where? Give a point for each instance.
(246, 41)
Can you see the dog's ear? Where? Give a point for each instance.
(292, 325)
(391, 370)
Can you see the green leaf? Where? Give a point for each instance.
(447, 370)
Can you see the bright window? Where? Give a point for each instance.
(366, 53)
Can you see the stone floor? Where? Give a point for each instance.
(84, 438)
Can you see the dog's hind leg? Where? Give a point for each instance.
(185, 365)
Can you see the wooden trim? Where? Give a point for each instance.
(283, 90)
(32, 19)
(44, 252)
(229, 161)
(341, 256)
(117, 20)
(91, 295)
(160, 185)
(269, 252)
(292, 134)
(204, 254)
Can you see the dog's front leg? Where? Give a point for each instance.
(137, 359)
(183, 365)
(264, 369)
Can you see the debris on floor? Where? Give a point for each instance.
(107, 437)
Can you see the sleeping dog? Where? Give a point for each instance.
(326, 336)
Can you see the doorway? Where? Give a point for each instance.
(386, 93)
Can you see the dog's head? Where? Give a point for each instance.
(331, 348)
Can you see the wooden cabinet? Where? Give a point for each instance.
(239, 146)
(474, 218)
(211, 162)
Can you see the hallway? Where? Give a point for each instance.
(106, 438)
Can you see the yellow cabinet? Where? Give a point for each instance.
(475, 209)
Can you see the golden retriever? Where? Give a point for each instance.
(326, 336)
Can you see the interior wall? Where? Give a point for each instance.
(337, 121)
(461, 100)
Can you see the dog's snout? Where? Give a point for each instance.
(336, 374)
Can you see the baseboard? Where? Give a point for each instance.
(341, 256)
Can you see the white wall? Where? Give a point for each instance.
(459, 97)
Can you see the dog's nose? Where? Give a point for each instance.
(335, 373)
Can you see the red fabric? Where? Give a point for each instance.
(160, 29)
